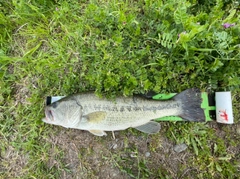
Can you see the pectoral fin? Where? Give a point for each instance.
(98, 132)
(150, 127)
(96, 117)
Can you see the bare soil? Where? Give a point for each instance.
(88, 156)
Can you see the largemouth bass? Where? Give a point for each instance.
(88, 112)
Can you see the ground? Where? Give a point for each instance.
(62, 47)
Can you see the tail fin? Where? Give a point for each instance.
(191, 101)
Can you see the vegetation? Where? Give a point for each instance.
(60, 47)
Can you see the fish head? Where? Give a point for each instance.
(65, 113)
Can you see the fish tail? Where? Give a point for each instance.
(191, 101)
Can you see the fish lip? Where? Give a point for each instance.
(49, 115)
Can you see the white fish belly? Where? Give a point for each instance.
(121, 121)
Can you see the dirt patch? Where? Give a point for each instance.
(12, 162)
(83, 155)
(22, 91)
(126, 156)
(78, 154)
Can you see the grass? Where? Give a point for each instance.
(60, 47)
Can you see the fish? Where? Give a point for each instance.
(86, 111)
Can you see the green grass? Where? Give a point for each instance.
(60, 47)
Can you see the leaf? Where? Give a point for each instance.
(198, 141)
(211, 164)
(221, 36)
(34, 49)
(180, 15)
(194, 144)
(234, 80)
(228, 157)
(167, 40)
(216, 65)
(197, 30)
(201, 49)
(218, 167)
(230, 16)
(4, 60)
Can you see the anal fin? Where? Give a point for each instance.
(150, 127)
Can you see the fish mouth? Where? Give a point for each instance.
(49, 115)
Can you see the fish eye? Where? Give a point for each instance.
(54, 105)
